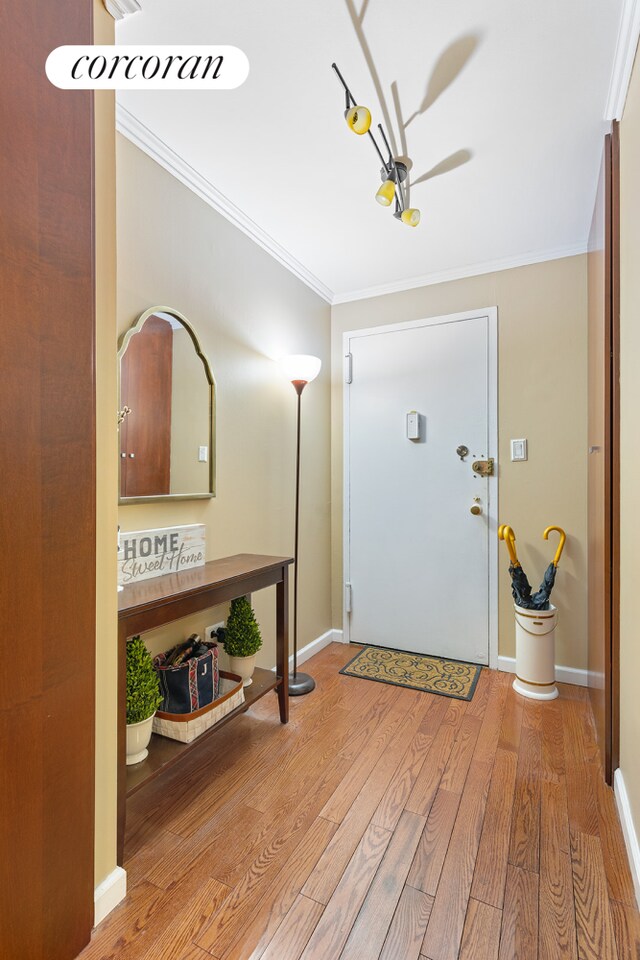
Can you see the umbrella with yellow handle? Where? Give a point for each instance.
(535, 630)
(505, 532)
(541, 597)
(563, 537)
(520, 586)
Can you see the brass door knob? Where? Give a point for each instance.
(475, 508)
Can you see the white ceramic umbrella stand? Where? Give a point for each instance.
(535, 653)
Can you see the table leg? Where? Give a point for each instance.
(282, 642)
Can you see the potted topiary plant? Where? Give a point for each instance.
(242, 639)
(143, 699)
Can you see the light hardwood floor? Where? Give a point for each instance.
(381, 824)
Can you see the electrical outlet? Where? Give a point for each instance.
(210, 632)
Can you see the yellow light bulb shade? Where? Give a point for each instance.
(411, 217)
(358, 119)
(386, 193)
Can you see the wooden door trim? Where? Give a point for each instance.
(604, 510)
(614, 266)
(607, 559)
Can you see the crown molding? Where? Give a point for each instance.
(147, 141)
(139, 134)
(119, 9)
(462, 273)
(626, 46)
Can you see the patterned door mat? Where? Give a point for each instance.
(449, 678)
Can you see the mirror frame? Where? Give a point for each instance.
(122, 346)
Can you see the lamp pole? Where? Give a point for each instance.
(299, 683)
(300, 369)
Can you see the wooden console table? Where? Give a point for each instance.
(153, 603)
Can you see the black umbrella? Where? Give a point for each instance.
(541, 597)
(520, 586)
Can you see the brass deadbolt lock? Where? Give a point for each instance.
(476, 509)
(483, 468)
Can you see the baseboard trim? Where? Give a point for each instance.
(108, 894)
(308, 651)
(563, 674)
(628, 829)
(315, 646)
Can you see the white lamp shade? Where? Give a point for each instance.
(301, 366)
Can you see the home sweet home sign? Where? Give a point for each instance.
(143, 554)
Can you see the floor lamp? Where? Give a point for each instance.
(300, 369)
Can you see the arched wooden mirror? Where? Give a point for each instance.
(167, 404)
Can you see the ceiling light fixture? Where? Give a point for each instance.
(394, 171)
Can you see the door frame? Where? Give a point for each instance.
(491, 313)
(614, 759)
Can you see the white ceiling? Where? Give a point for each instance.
(515, 90)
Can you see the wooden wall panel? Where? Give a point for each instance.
(47, 507)
(603, 457)
(598, 440)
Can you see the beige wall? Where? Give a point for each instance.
(629, 449)
(247, 310)
(106, 468)
(542, 344)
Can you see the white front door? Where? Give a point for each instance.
(418, 562)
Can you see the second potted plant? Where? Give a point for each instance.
(143, 699)
(242, 639)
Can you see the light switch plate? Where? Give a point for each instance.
(203, 454)
(519, 450)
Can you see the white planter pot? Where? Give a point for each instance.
(536, 653)
(138, 736)
(244, 667)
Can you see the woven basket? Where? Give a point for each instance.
(188, 726)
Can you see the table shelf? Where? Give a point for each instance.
(160, 600)
(163, 752)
